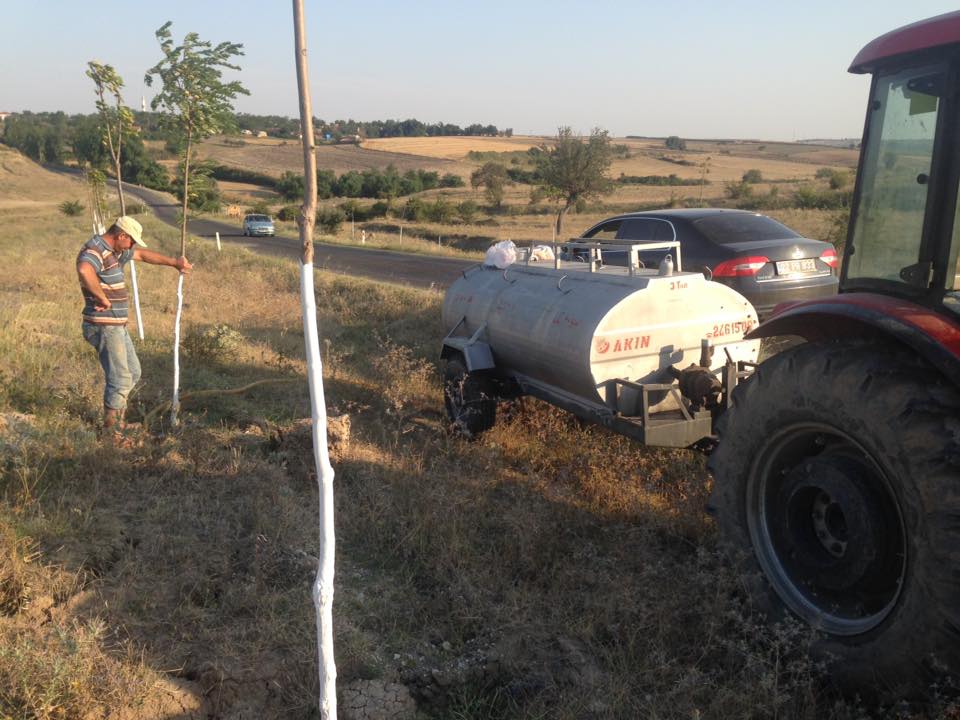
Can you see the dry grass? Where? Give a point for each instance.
(549, 570)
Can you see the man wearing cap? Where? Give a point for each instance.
(100, 268)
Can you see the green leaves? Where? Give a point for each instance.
(194, 100)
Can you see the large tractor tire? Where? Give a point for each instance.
(837, 477)
(470, 399)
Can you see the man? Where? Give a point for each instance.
(100, 269)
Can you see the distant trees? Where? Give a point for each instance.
(41, 137)
(674, 142)
(574, 169)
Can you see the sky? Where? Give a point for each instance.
(733, 69)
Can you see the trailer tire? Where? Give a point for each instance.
(837, 486)
(469, 398)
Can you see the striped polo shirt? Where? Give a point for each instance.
(109, 266)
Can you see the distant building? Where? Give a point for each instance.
(4, 116)
(246, 132)
(261, 133)
(352, 139)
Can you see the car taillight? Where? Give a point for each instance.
(829, 256)
(740, 267)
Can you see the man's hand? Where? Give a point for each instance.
(101, 305)
(184, 265)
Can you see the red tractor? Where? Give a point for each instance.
(837, 472)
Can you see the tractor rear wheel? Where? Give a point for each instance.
(469, 398)
(837, 476)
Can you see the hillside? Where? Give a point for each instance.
(25, 183)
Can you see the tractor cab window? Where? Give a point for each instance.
(888, 228)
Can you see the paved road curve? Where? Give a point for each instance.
(404, 268)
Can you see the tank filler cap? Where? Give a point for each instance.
(666, 265)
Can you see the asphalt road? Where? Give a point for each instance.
(424, 271)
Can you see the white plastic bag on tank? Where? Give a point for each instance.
(502, 255)
(541, 253)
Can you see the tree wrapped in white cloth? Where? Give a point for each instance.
(194, 103)
(323, 585)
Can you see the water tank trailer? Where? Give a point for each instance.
(647, 352)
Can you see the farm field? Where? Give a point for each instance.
(548, 570)
(783, 168)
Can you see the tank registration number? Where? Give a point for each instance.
(740, 328)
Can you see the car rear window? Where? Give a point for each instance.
(726, 229)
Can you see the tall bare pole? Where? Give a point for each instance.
(323, 585)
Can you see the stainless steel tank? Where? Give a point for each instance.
(574, 329)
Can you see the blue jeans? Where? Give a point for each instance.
(121, 366)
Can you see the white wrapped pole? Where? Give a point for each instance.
(218, 242)
(323, 584)
(136, 297)
(175, 405)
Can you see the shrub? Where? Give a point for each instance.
(675, 143)
(329, 220)
(378, 209)
(259, 208)
(753, 176)
(235, 174)
(136, 207)
(837, 231)
(440, 210)
(288, 213)
(738, 190)
(211, 344)
(467, 210)
(808, 197)
(71, 207)
(415, 209)
(839, 179)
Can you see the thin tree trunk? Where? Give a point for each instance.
(560, 216)
(175, 402)
(123, 204)
(323, 584)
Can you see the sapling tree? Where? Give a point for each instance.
(323, 585)
(116, 121)
(195, 103)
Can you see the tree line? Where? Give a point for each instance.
(289, 128)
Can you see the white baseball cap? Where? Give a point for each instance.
(132, 228)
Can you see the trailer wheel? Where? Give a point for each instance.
(837, 476)
(469, 398)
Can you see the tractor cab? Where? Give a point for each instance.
(904, 236)
(900, 278)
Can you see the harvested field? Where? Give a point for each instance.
(274, 157)
(453, 148)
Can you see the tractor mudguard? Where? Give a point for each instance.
(933, 336)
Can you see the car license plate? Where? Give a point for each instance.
(796, 267)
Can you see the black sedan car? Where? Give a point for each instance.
(762, 259)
